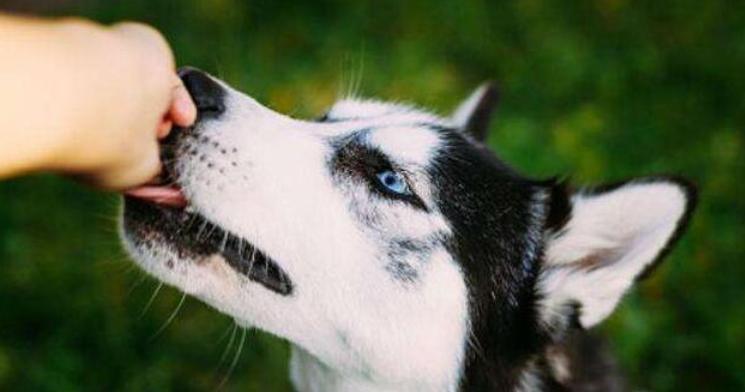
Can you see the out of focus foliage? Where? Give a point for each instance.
(599, 90)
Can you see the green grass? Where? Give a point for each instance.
(600, 91)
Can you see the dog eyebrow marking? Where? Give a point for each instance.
(356, 158)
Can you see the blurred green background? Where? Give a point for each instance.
(599, 90)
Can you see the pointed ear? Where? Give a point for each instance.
(614, 235)
(473, 115)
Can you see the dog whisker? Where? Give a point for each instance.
(201, 230)
(136, 284)
(224, 242)
(252, 261)
(236, 357)
(170, 318)
(150, 301)
(225, 351)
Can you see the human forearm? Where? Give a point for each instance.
(45, 89)
(83, 99)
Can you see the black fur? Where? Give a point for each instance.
(480, 119)
(560, 205)
(495, 214)
(489, 207)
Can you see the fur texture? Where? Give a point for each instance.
(476, 278)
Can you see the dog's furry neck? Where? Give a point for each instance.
(582, 361)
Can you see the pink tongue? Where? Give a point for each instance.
(169, 196)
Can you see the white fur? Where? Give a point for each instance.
(388, 113)
(407, 145)
(623, 231)
(265, 177)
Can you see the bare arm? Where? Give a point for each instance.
(86, 100)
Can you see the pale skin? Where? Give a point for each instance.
(86, 101)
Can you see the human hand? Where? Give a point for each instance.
(147, 98)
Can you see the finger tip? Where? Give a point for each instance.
(164, 129)
(185, 112)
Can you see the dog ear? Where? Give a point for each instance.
(474, 114)
(613, 236)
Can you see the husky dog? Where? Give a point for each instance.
(392, 248)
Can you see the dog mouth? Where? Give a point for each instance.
(161, 209)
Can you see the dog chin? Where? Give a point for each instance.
(165, 239)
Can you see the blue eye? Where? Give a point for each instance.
(393, 182)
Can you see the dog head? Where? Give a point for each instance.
(386, 242)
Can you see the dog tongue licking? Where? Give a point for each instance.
(159, 194)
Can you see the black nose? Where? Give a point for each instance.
(207, 94)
